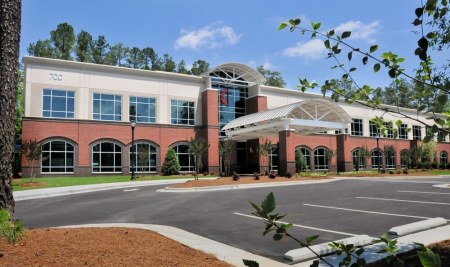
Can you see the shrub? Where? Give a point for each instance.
(10, 230)
(405, 171)
(205, 173)
(257, 175)
(434, 165)
(382, 171)
(235, 176)
(171, 164)
(391, 172)
(272, 175)
(399, 171)
(419, 165)
(426, 165)
(288, 175)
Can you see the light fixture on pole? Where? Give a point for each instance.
(133, 156)
(378, 151)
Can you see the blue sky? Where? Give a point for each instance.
(235, 31)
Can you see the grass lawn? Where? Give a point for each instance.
(43, 182)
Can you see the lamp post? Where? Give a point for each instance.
(378, 151)
(132, 124)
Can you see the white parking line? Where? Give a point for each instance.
(367, 211)
(421, 192)
(403, 200)
(131, 190)
(300, 226)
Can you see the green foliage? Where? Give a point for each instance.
(10, 230)
(197, 147)
(32, 151)
(83, 47)
(427, 257)
(426, 90)
(63, 40)
(300, 161)
(264, 150)
(225, 150)
(429, 151)
(171, 164)
(19, 105)
(273, 78)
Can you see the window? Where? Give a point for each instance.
(403, 131)
(185, 159)
(357, 127)
(106, 157)
(442, 136)
(417, 132)
(145, 108)
(302, 159)
(376, 159)
(58, 104)
(358, 159)
(273, 159)
(389, 132)
(182, 112)
(320, 159)
(232, 102)
(107, 107)
(373, 129)
(144, 158)
(443, 158)
(57, 157)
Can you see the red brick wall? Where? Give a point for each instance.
(84, 133)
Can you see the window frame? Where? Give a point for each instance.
(116, 114)
(152, 106)
(357, 127)
(51, 151)
(175, 103)
(69, 94)
(117, 168)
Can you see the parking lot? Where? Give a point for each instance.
(333, 210)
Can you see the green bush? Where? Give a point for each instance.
(434, 165)
(10, 230)
(171, 164)
(426, 165)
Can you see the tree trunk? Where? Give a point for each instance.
(10, 15)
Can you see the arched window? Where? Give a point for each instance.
(144, 157)
(376, 159)
(358, 159)
(320, 160)
(106, 157)
(273, 159)
(443, 157)
(57, 157)
(302, 159)
(185, 159)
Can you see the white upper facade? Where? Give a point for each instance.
(90, 84)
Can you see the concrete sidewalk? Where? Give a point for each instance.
(78, 189)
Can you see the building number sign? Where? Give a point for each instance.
(56, 76)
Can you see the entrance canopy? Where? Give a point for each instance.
(305, 117)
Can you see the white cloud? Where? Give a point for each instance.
(208, 37)
(312, 49)
(360, 30)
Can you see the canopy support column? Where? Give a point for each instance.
(286, 152)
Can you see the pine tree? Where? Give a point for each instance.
(171, 164)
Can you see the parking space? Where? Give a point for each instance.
(353, 207)
(334, 210)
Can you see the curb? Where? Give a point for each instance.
(223, 252)
(244, 186)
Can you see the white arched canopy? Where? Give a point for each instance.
(237, 72)
(305, 117)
